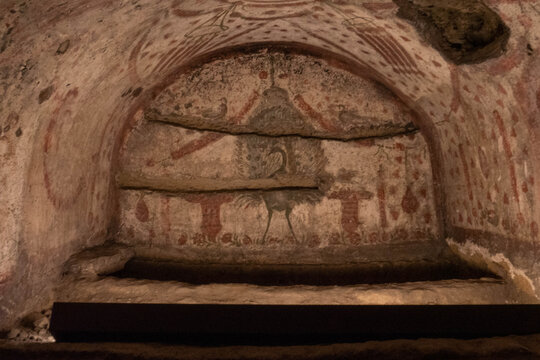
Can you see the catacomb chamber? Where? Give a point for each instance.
(277, 176)
(278, 168)
(275, 151)
(267, 138)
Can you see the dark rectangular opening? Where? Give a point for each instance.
(285, 324)
(300, 274)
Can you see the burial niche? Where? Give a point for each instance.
(280, 155)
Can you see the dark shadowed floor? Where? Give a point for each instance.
(511, 347)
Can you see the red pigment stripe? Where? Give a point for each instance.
(340, 48)
(237, 119)
(353, 56)
(466, 171)
(376, 42)
(389, 59)
(405, 53)
(314, 114)
(245, 32)
(508, 152)
(349, 215)
(277, 4)
(132, 61)
(381, 195)
(281, 17)
(196, 145)
(411, 68)
(163, 63)
(165, 217)
(182, 52)
(380, 35)
(177, 56)
(361, 62)
(190, 52)
(401, 61)
(379, 6)
(165, 58)
(186, 13)
(456, 84)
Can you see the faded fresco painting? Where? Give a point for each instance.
(303, 154)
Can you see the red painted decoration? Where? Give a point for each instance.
(210, 207)
(409, 203)
(349, 207)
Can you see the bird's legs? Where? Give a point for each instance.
(270, 213)
(287, 213)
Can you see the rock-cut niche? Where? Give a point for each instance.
(277, 157)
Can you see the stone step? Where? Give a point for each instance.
(456, 291)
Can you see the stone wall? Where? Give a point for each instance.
(376, 193)
(307, 155)
(67, 110)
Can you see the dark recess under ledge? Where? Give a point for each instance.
(285, 324)
(293, 274)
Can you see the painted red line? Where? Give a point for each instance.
(186, 13)
(253, 18)
(400, 49)
(245, 32)
(456, 85)
(381, 195)
(162, 64)
(275, 4)
(132, 61)
(237, 119)
(179, 55)
(466, 171)
(165, 217)
(340, 48)
(386, 40)
(167, 57)
(379, 6)
(327, 125)
(196, 145)
(387, 56)
(508, 152)
(378, 35)
(400, 58)
(189, 52)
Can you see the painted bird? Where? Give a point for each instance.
(273, 166)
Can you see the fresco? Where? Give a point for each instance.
(279, 95)
(259, 151)
(480, 123)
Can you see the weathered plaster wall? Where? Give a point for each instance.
(75, 105)
(492, 132)
(379, 193)
(55, 175)
(292, 147)
(275, 93)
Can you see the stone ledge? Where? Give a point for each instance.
(479, 291)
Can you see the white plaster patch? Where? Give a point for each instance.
(497, 263)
